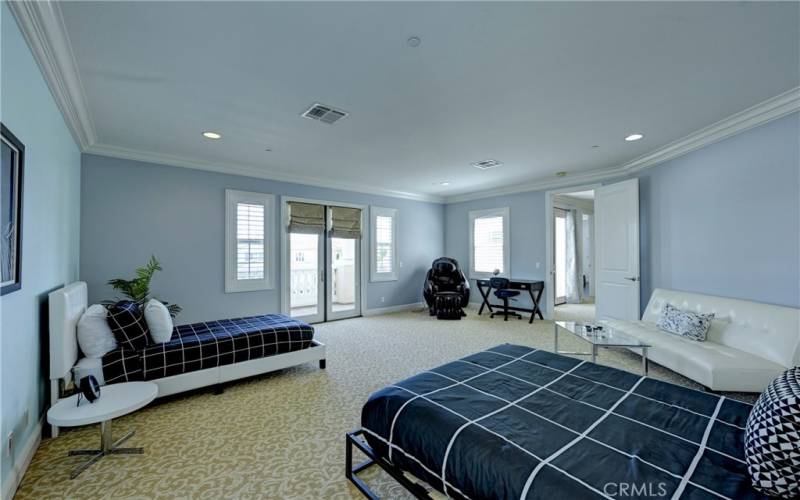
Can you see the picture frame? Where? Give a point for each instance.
(12, 167)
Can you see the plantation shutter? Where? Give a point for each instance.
(488, 244)
(306, 218)
(249, 241)
(345, 222)
(384, 234)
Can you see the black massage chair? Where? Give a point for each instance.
(446, 289)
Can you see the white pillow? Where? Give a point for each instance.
(94, 334)
(158, 321)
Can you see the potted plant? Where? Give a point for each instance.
(138, 288)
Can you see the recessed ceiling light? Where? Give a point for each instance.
(414, 41)
(268, 150)
(634, 137)
(212, 135)
(445, 183)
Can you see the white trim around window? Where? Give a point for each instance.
(385, 268)
(505, 266)
(259, 210)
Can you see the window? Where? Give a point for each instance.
(248, 245)
(489, 243)
(383, 244)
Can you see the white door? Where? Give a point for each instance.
(616, 210)
(307, 276)
(344, 277)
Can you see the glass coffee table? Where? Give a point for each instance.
(607, 337)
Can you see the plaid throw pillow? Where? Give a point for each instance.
(128, 325)
(687, 324)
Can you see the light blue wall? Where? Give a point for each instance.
(527, 227)
(51, 198)
(723, 220)
(132, 209)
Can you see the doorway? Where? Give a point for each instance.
(572, 255)
(322, 260)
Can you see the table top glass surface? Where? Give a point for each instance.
(608, 336)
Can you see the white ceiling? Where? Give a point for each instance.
(534, 85)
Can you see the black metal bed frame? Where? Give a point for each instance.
(353, 440)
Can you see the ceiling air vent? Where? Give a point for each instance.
(324, 114)
(487, 164)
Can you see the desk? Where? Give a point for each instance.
(530, 285)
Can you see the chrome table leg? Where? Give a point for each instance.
(555, 339)
(645, 367)
(107, 447)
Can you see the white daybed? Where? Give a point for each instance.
(67, 305)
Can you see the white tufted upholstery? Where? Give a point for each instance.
(748, 345)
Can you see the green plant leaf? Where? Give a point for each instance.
(138, 289)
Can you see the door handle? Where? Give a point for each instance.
(633, 279)
(322, 276)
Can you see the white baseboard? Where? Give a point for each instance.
(20, 466)
(391, 309)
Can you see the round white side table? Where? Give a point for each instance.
(115, 401)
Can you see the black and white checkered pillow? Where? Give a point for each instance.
(772, 438)
(128, 325)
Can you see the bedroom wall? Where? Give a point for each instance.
(132, 209)
(51, 203)
(722, 220)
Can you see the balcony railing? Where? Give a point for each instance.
(304, 286)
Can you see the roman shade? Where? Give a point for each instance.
(345, 222)
(306, 217)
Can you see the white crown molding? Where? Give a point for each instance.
(766, 111)
(763, 112)
(42, 25)
(249, 171)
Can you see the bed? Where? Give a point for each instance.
(517, 422)
(197, 355)
(207, 345)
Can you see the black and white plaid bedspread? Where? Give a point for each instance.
(514, 422)
(206, 345)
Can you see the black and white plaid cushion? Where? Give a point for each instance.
(122, 365)
(772, 438)
(128, 325)
(210, 344)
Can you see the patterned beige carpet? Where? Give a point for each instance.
(281, 435)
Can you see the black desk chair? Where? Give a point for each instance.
(502, 292)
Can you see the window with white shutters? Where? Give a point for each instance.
(489, 242)
(383, 247)
(249, 241)
(248, 247)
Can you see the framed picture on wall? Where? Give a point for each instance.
(13, 162)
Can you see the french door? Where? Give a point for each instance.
(324, 273)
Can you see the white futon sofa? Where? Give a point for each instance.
(748, 344)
